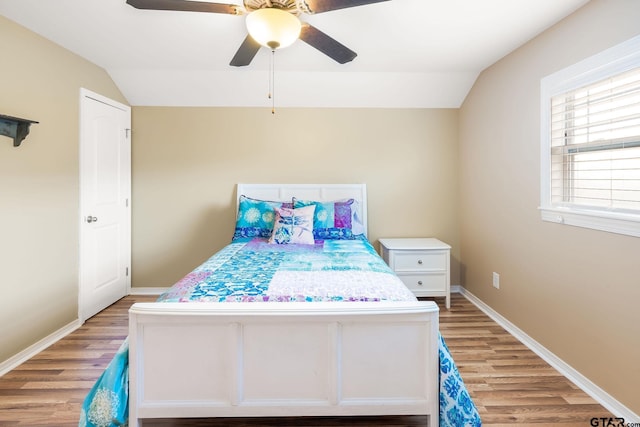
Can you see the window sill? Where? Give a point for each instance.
(613, 223)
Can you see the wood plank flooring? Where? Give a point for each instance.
(509, 384)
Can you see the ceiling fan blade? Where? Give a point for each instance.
(327, 45)
(185, 6)
(246, 52)
(319, 6)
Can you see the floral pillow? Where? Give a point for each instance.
(334, 220)
(293, 226)
(256, 217)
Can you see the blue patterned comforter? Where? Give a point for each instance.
(253, 270)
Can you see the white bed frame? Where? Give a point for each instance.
(284, 359)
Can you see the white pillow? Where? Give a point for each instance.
(293, 226)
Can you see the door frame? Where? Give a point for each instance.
(87, 94)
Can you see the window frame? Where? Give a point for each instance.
(616, 60)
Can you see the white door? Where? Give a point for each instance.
(105, 205)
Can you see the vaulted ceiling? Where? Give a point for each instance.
(411, 53)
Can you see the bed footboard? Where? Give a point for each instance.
(283, 359)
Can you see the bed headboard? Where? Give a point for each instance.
(320, 192)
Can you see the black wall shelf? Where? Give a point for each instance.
(15, 127)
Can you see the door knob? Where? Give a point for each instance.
(91, 219)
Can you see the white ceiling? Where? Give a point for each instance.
(411, 53)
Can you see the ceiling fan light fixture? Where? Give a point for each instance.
(273, 28)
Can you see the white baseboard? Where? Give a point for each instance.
(601, 396)
(36, 348)
(146, 291)
(26, 354)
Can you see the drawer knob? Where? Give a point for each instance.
(420, 261)
(420, 282)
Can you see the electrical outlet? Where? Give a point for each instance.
(496, 280)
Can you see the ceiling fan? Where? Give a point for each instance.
(270, 23)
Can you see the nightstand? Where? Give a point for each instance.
(421, 263)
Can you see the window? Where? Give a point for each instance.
(591, 142)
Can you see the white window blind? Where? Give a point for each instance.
(590, 142)
(595, 145)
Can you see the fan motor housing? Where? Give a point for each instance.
(296, 7)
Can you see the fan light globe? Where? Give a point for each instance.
(273, 28)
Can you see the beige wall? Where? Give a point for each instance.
(187, 161)
(574, 290)
(39, 185)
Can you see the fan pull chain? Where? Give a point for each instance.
(272, 90)
(270, 74)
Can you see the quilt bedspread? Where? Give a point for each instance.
(253, 270)
(331, 270)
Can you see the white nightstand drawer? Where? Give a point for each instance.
(419, 261)
(424, 282)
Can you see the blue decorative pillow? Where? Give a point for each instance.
(334, 220)
(256, 217)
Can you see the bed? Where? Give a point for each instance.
(286, 325)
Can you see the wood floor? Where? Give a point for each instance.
(509, 384)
